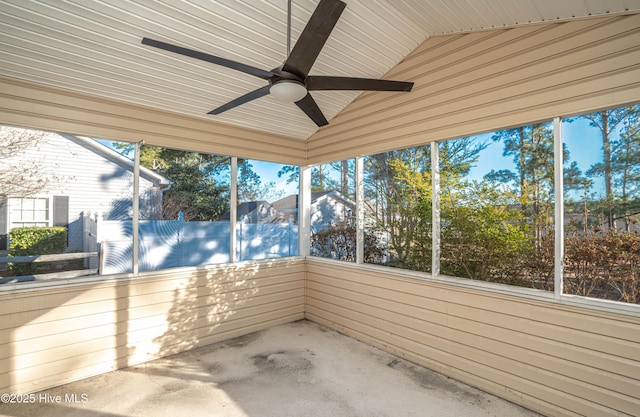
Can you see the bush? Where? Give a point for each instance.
(29, 241)
(339, 242)
(484, 240)
(603, 265)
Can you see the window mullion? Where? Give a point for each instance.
(435, 209)
(233, 209)
(359, 210)
(136, 209)
(304, 211)
(559, 208)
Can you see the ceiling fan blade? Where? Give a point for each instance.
(311, 109)
(320, 82)
(313, 37)
(248, 69)
(260, 92)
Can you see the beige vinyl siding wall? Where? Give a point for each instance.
(49, 337)
(30, 105)
(556, 359)
(481, 81)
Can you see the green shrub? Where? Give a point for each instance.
(29, 241)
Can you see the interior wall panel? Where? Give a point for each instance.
(49, 337)
(35, 106)
(559, 360)
(482, 81)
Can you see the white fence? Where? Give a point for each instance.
(174, 243)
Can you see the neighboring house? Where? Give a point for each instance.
(287, 208)
(85, 176)
(327, 207)
(254, 212)
(330, 207)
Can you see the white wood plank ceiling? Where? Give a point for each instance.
(94, 47)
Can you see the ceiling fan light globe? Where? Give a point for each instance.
(288, 91)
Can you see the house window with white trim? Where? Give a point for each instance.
(29, 212)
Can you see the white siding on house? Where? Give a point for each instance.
(91, 181)
(330, 208)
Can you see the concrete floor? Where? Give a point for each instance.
(297, 369)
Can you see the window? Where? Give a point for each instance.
(184, 211)
(602, 204)
(333, 210)
(29, 212)
(184, 208)
(398, 215)
(494, 212)
(183, 197)
(267, 211)
(56, 180)
(497, 206)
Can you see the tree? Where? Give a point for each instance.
(250, 187)
(625, 166)
(532, 150)
(21, 176)
(200, 181)
(398, 195)
(198, 190)
(484, 237)
(321, 179)
(482, 232)
(409, 219)
(607, 123)
(195, 193)
(387, 196)
(346, 183)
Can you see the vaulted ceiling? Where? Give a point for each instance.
(94, 47)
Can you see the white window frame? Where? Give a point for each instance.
(11, 206)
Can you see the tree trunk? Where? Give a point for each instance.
(344, 165)
(606, 146)
(321, 176)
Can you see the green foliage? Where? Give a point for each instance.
(35, 241)
(483, 236)
(619, 130)
(199, 188)
(410, 226)
(194, 193)
(500, 229)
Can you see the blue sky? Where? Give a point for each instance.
(268, 172)
(583, 142)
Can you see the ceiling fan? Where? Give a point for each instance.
(291, 81)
